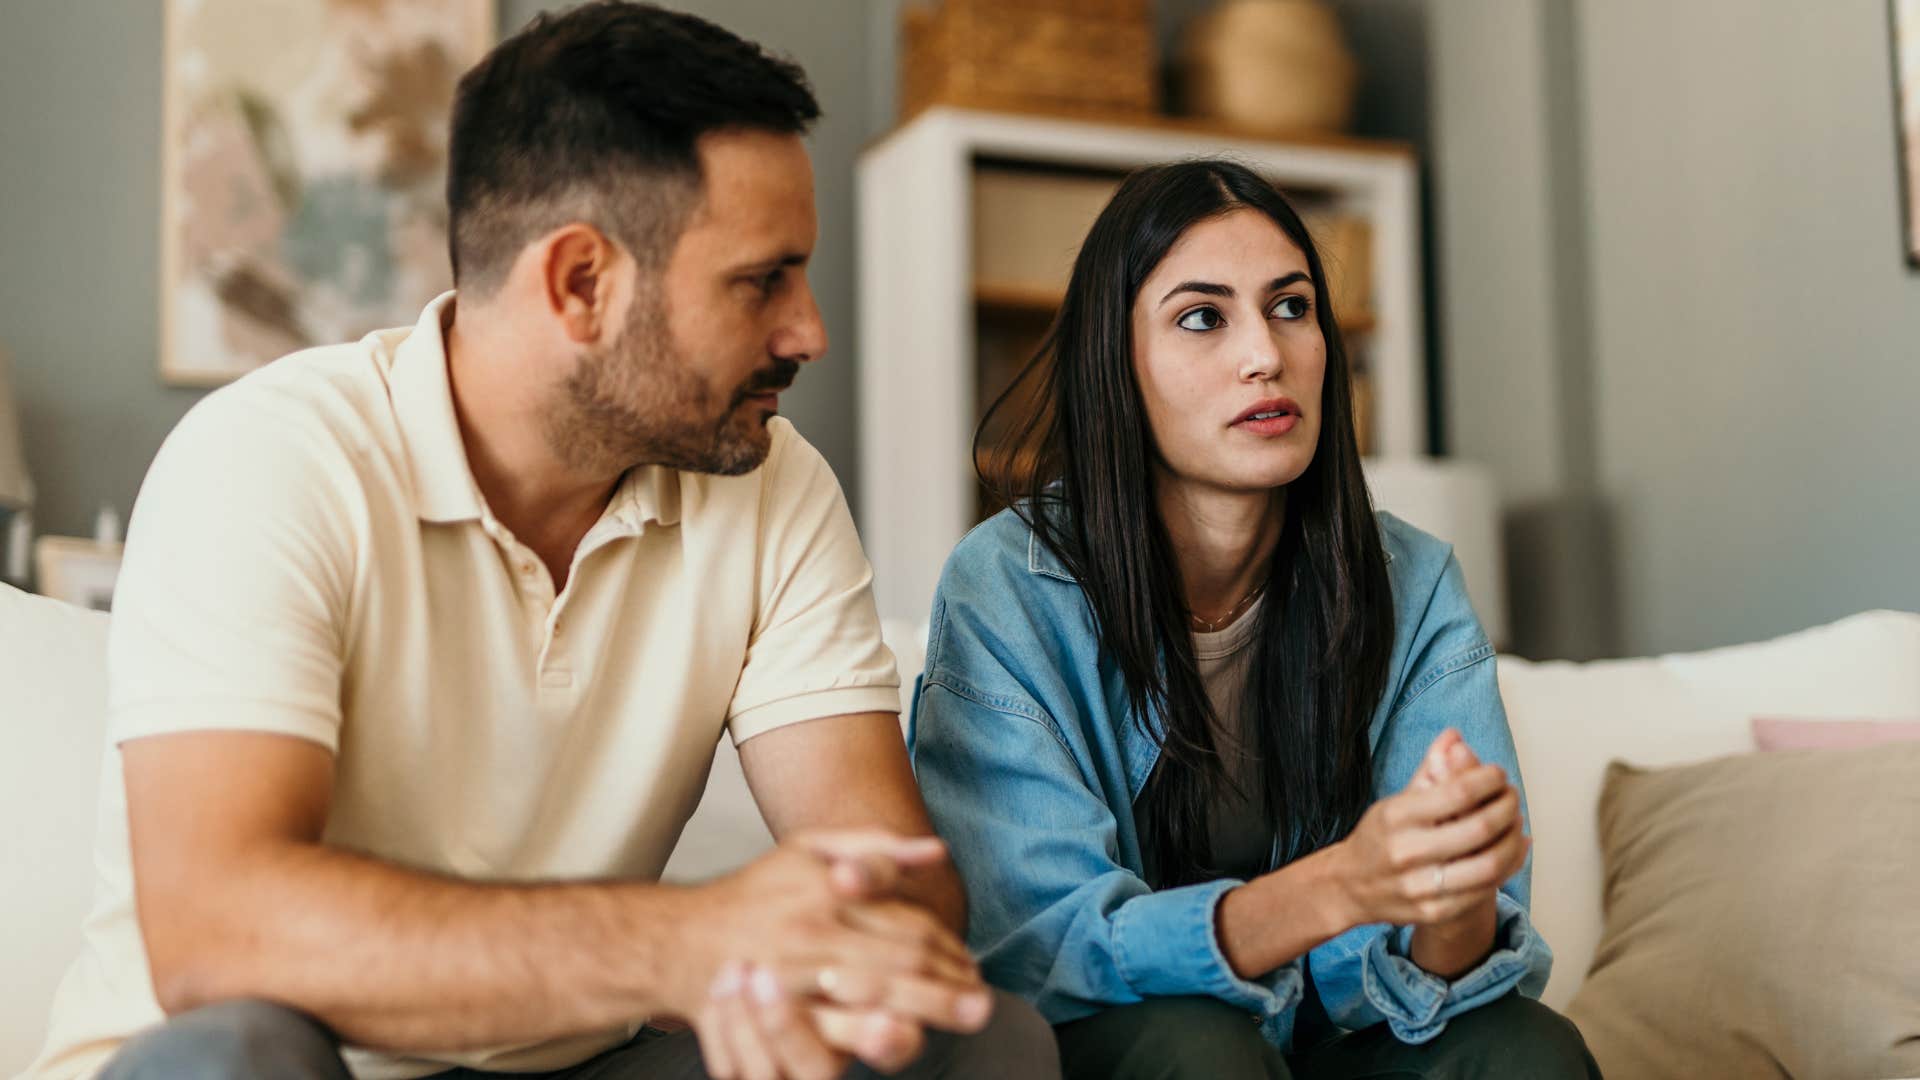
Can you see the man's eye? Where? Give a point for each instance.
(1201, 318)
(1292, 307)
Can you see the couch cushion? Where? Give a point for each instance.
(1570, 719)
(1760, 918)
(53, 686)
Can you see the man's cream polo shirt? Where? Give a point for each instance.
(310, 555)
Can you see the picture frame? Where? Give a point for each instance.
(303, 171)
(77, 570)
(1904, 16)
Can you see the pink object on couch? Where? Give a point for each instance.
(1781, 734)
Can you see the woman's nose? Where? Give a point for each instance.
(1260, 357)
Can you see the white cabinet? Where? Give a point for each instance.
(924, 309)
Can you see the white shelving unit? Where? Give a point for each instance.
(919, 316)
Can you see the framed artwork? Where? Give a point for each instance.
(1906, 78)
(77, 570)
(303, 168)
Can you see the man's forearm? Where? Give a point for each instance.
(398, 960)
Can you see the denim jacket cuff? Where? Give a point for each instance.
(1418, 1003)
(1166, 944)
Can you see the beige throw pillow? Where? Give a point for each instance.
(1762, 918)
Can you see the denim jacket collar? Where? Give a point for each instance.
(1042, 559)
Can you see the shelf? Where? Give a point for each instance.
(1037, 302)
(1017, 299)
(1161, 125)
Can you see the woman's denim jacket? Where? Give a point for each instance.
(1030, 761)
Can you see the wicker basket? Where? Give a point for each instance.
(1276, 66)
(1046, 55)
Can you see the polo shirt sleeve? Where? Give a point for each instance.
(228, 610)
(815, 649)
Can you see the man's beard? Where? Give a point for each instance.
(639, 402)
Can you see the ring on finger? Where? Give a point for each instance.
(1440, 878)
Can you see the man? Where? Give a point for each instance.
(422, 646)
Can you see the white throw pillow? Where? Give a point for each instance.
(1569, 720)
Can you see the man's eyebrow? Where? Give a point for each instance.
(792, 258)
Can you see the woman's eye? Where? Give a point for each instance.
(1291, 307)
(1201, 318)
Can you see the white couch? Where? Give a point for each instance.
(1569, 720)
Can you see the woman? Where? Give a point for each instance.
(1208, 738)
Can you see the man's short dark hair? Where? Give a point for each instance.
(592, 115)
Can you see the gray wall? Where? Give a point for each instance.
(79, 249)
(1509, 188)
(1678, 322)
(1756, 332)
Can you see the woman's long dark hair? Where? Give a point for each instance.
(1068, 446)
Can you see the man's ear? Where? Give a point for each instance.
(577, 265)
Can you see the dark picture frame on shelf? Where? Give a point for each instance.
(1905, 18)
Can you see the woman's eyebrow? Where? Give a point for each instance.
(1226, 291)
(1206, 287)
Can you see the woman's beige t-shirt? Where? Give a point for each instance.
(1236, 830)
(1242, 842)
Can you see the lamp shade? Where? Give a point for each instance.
(1455, 501)
(16, 487)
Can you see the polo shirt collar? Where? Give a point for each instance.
(648, 493)
(443, 486)
(444, 490)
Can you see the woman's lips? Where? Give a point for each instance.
(1273, 425)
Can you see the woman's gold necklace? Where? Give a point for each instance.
(1214, 626)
